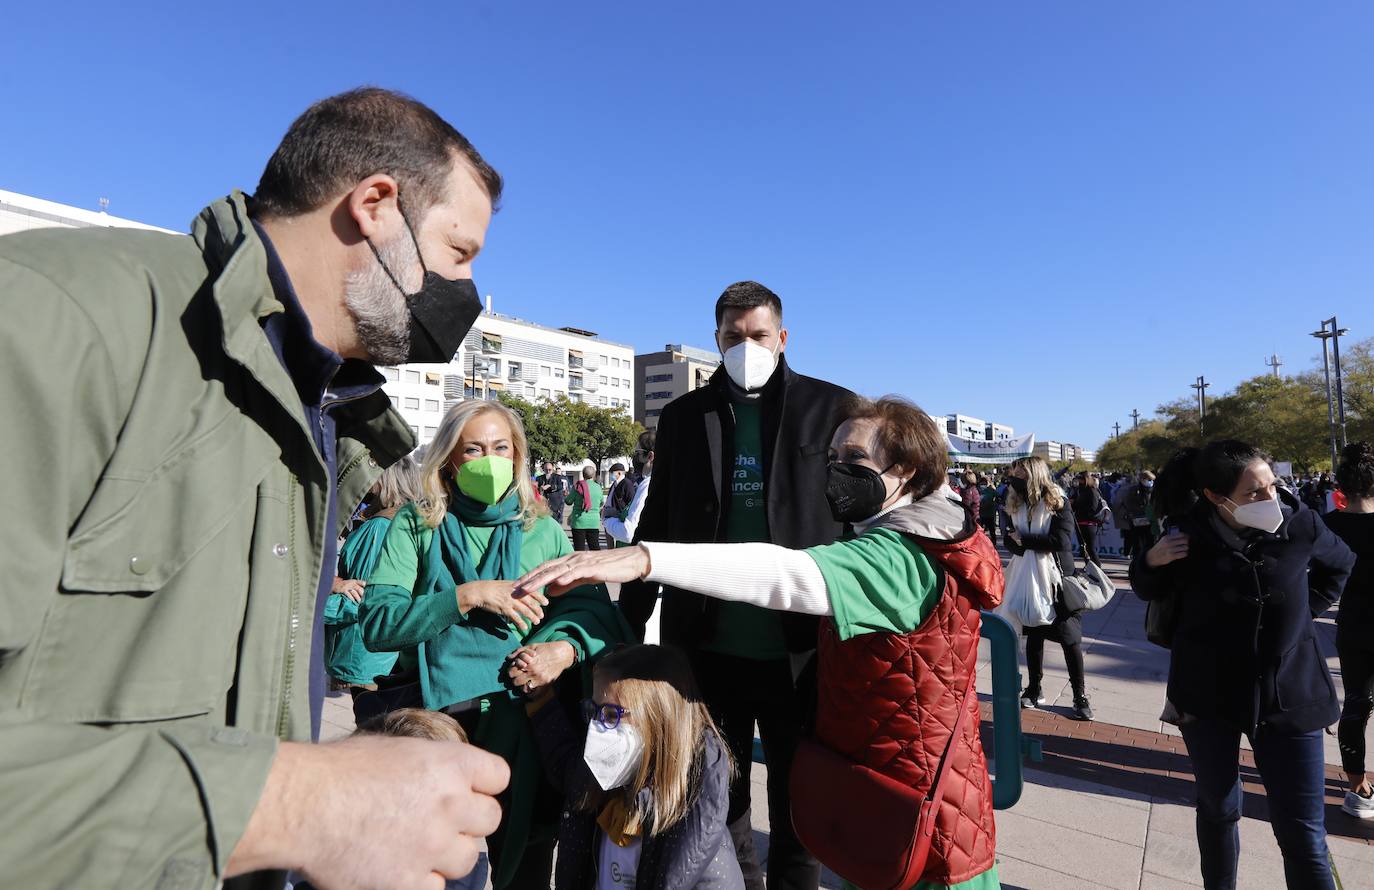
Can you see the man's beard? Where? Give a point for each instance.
(379, 309)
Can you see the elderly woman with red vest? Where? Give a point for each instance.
(897, 721)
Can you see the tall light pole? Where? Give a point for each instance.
(1274, 362)
(1329, 331)
(1201, 387)
(1116, 426)
(1135, 418)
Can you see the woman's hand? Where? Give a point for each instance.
(523, 610)
(1015, 536)
(350, 588)
(558, 576)
(533, 668)
(1167, 549)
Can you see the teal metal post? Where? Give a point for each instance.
(1006, 713)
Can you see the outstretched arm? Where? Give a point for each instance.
(759, 574)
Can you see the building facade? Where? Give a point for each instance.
(979, 430)
(502, 354)
(660, 377)
(19, 213)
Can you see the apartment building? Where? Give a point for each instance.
(506, 354)
(660, 377)
(19, 213)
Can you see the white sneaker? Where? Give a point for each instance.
(1358, 806)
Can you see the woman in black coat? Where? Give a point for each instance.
(1248, 567)
(1030, 484)
(1088, 507)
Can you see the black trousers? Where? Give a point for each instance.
(1136, 539)
(1356, 652)
(990, 526)
(739, 693)
(1088, 535)
(586, 538)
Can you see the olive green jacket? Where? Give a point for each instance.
(163, 545)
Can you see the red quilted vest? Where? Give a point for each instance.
(889, 701)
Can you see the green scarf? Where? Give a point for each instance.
(465, 660)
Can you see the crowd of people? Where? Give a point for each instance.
(193, 578)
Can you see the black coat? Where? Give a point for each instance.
(688, 498)
(697, 852)
(1244, 648)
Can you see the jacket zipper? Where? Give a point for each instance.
(293, 625)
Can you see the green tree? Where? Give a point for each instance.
(1147, 448)
(1282, 415)
(602, 433)
(550, 428)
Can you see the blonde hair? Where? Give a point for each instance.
(1039, 486)
(656, 687)
(434, 492)
(414, 723)
(400, 483)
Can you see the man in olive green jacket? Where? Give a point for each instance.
(180, 479)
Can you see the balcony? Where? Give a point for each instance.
(580, 384)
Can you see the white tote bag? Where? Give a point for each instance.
(1032, 576)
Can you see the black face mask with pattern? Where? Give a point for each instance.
(442, 311)
(855, 492)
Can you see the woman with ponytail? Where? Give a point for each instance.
(1249, 568)
(1354, 524)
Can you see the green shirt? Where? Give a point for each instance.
(742, 630)
(882, 582)
(591, 517)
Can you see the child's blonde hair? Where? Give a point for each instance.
(656, 687)
(414, 723)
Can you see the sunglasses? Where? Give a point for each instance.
(607, 716)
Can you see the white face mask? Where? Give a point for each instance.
(1264, 515)
(613, 755)
(750, 365)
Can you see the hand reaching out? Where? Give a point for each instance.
(524, 610)
(558, 576)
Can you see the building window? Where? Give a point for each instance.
(558, 373)
(574, 359)
(391, 373)
(514, 369)
(432, 379)
(545, 370)
(413, 404)
(430, 431)
(491, 343)
(412, 376)
(604, 360)
(494, 366)
(653, 412)
(546, 393)
(603, 381)
(395, 402)
(575, 397)
(658, 395)
(415, 431)
(603, 401)
(658, 378)
(431, 404)
(575, 381)
(529, 392)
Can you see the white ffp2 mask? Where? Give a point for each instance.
(1264, 515)
(750, 365)
(613, 755)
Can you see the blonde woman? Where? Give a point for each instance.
(1040, 536)
(646, 779)
(441, 597)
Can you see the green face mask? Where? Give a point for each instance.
(486, 479)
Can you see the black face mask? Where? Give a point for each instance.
(442, 311)
(1018, 485)
(855, 492)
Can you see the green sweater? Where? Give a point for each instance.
(346, 658)
(585, 519)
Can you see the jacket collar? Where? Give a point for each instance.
(242, 292)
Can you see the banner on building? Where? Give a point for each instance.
(976, 451)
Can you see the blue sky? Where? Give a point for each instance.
(1044, 214)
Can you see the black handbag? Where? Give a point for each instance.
(1161, 616)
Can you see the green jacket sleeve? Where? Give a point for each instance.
(394, 615)
(89, 806)
(339, 609)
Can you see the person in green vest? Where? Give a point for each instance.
(346, 659)
(585, 499)
(466, 646)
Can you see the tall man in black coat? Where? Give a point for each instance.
(743, 459)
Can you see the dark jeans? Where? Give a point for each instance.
(1357, 675)
(586, 538)
(990, 526)
(740, 692)
(1073, 660)
(1088, 535)
(1135, 539)
(1291, 765)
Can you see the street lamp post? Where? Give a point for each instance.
(1201, 387)
(1335, 403)
(1116, 426)
(1135, 418)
